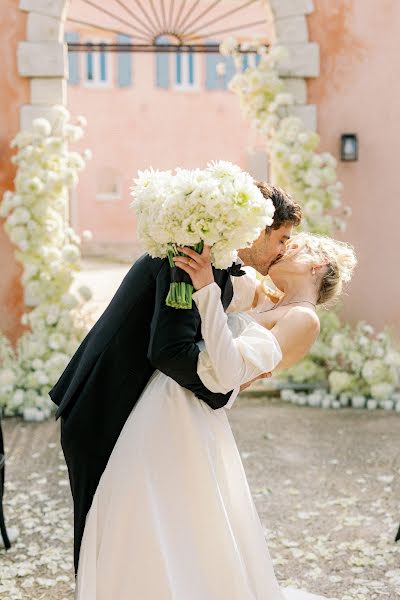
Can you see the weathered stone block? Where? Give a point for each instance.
(48, 90)
(42, 59)
(298, 88)
(288, 8)
(28, 113)
(291, 30)
(51, 8)
(303, 60)
(307, 113)
(41, 28)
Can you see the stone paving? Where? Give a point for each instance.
(326, 485)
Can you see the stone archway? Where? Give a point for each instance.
(43, 56)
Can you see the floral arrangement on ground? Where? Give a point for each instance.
(49, 251)
(347, 367)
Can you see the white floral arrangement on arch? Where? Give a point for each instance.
(296, 165)
(354, 367)
(49, 250)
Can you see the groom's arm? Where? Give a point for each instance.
(172, 347)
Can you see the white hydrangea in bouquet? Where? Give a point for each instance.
(219, 206)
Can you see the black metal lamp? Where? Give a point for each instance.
(349, 147)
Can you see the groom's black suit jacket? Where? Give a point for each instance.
(135, 335)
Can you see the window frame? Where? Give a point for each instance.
(96, 58)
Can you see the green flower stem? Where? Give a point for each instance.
(180, 292)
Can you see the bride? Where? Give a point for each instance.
(173, 517)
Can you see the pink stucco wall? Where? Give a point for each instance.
(358, 91)
(14, 92)
(139, 127)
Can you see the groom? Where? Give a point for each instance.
(132, 338)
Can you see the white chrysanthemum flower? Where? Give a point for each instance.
(57, 341)
(7, 377)
(340, 381)
(87, 235)
(228, 46)
(69, 300)
(71, 253)
(382, 391)
(41, 126)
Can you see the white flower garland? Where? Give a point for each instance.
(358, 368)
(49, 251)
(295, 163)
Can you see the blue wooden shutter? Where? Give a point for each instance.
(213, 80)
(162, 65)
(124, 62)
(73, 59)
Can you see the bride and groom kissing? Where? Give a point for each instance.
(162, 506)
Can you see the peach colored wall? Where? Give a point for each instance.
(358, 91)
(14, 92)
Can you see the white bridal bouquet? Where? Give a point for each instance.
(219, 206)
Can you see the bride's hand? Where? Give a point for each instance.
(198, 266)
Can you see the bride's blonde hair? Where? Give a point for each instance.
(340, 260)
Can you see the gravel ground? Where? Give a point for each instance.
(326, 485)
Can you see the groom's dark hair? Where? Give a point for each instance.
(286, 209)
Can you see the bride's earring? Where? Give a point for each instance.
(313, 271)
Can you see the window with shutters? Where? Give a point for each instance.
(185, 76)
(97, 68)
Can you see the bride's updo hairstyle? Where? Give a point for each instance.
(340, 261)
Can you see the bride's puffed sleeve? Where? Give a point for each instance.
(244, 289)
(228, 362)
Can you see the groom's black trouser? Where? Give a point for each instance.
(84, 474)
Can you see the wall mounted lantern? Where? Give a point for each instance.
(349, 147)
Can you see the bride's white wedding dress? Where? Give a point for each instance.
(173, 517)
